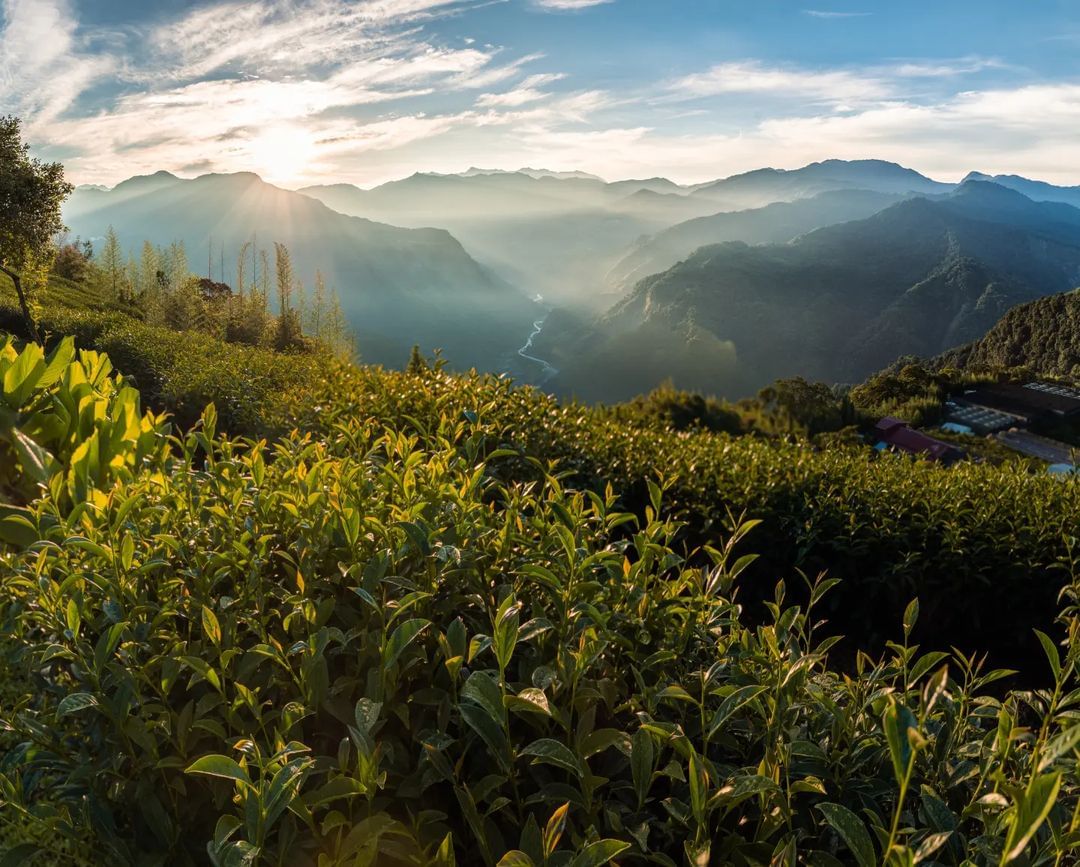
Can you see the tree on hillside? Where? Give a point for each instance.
(286, 280)
(112, 264)
(73, 259)
(241, 264)
(289, 330)
(31, 193)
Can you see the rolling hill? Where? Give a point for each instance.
(397, 286)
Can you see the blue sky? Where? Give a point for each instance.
(306, 91)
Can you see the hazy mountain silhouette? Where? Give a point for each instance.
(397, 286)
(835, 304)
(773, 223)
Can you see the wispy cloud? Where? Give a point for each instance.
(248, 81)
(569, 5)
(824, 13)
(42, 69)
(841, 87)
(753, 77)
(529, 90)
(319, 90)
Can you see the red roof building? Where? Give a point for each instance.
(899, 436)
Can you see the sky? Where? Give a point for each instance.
(365, 91)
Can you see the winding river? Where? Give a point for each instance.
(547, 370)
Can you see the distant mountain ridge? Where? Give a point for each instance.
(765, 186)
(561, 236)
(397, 286)
(1039, 191)
(835, 304)
(775, 223)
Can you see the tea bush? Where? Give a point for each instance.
(384, 644)
(891, 527)
(255, 390)
(67, 425)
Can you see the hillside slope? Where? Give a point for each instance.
(397, 286)
(1043, 335)
(771, 224)
(836, 304)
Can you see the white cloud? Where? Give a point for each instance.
(752, 77)
(842, 87)
(527, 91)
(41, 71)
(1028, 130)
(238, 86)
(822, 13)
(569, 5)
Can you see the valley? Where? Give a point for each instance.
(840, 263)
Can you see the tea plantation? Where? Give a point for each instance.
(338, 615)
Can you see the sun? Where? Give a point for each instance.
(281, 154)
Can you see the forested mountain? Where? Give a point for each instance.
(835, 304)
(773, 223)
(1043, 335)
(397, 286)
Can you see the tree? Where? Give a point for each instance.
(241, 263)
(315, 320)
(112, 264)
(31, 193)
(417, 365)
(72, 261)
(286, 280)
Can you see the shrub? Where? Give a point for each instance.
(67, 425)
(256, 391)
(389, 646)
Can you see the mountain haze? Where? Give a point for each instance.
(560, 235)
(836, 304)
(397, 286)
(775, 223)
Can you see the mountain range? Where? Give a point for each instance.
(919, 277)
(829, 271)
(397, 286)
(564, 237)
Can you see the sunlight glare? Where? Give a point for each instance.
(281, 154)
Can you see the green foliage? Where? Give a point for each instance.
(31, 193)
(890, 527)
(67, 425)
(451, 621)
(257, 391)
(912, 391)
(683, 410)
(1042, 336)
(809, 408)
(374, 646)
